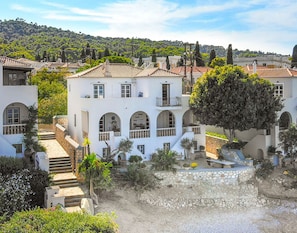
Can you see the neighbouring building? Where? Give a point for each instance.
(111, 102)
(16, 96)
(258, 141)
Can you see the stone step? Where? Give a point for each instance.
(73, 200)
(66, 183)
(55, 170)
(46, 136)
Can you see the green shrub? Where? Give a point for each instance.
(39, 181)
(135, 159)
(164, 160)
(265, 170)
(140, 178)
(10, 165)
(55, 220)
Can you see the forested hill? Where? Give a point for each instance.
(19, 38)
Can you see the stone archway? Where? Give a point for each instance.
(285, 120)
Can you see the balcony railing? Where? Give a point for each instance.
(195, 129)
(171, 102)
(141, 133)
(14, 129)
(163, 132)
(105, 136)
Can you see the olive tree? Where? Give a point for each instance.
(229, 98)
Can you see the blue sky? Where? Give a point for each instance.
(261, 25)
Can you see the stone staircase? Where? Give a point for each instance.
(46, 136)
(61, 170)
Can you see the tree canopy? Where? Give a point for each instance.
(229, 98)
(294, 57)
(198, 57)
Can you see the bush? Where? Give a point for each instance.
(10, 165)
(164, 160)
(55, 220)
(265, 170)
(141, 179)
(135, 159)
(20, 188)
(15, 193)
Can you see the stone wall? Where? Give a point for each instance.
(229, 188)
(214, 143)
(72, 148)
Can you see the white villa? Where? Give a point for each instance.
(111, 102)
(258, 141)
(16, 96)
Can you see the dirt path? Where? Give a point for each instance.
(136, 217)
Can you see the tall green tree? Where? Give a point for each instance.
(197, 54)
(154, 56)
(229, 55)
(93, 54)
(63, 55)
(167, 63)
(83, 54)
(212, 56)
(88, 50)
(106, 52)
(140, 61)
(294, 57)
(229, 98)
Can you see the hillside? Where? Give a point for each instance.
(21, 39)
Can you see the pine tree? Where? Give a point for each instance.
(229, 55)
(167, 63)
(294, 57)
(198, 57)
(212, 56)
(44, 56)
(37, 58)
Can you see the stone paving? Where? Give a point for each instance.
(53, 149)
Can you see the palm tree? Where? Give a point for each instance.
(186, 144)
(96, 174)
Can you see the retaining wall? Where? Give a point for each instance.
(229, 188)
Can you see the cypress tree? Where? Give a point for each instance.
(63, 56)
(93, 54)
(198, 57)
(106, 53)
(212, 56)
(154, 56)
(167, 63)
(88, 50)
(294, 57)
(229, 55)
(140, 61)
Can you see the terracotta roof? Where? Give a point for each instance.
(121, 70)
(196, 69)
(265, 72)
(12, 63)
(157, 72)
(293, 72)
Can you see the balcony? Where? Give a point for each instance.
(195, 129)
(106, 136)
(163, 132)
(14, 129)
(171, 102)
(141, 133)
